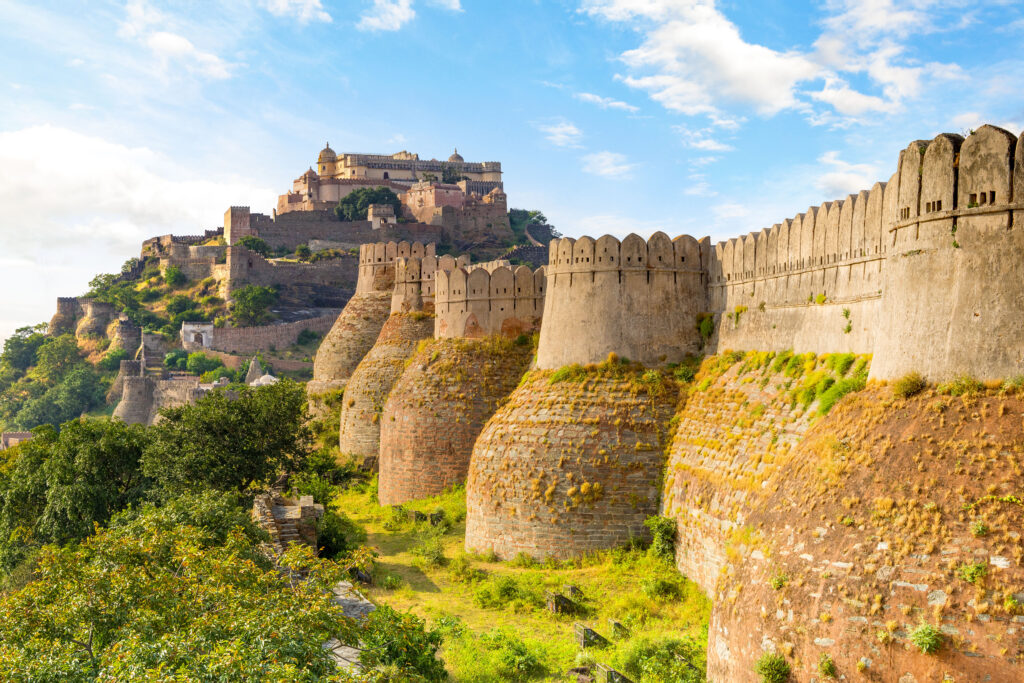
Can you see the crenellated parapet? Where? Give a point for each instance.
(415, 281)
(486, 299)
(377, 263)
(639, 299)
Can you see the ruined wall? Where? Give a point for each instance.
(96, 315)
(567, 467)
(325, 283)
(482, 301)
(639, 299)
(123, 334)
(437, 409)
(260, 338)
(358, 325)
(372, 380)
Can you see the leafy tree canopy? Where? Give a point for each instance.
(253, 243)
(230, 445)
(250, 304)
(354, 205)
(21, 347)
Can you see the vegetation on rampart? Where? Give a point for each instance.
(355, 205)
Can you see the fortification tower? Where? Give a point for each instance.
(452, 386)
(359, 323)
(635, 298)
(96, 316)
(571, 462)
(66, 317)
(952, 294)
(411, 320)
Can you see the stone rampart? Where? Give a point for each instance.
(336, 275)
(371, 382)
(250, 339)
(635, 298)
(415, 281)
(567, 467)
(489, 299)
(437, 409)
(96, 315)
(357, 327)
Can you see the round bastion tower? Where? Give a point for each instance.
(485, 317)
(572, 461)
(411, 320)
(357, 327)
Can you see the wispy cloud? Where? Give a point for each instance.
(608, 165)
(839, 178)
(171, 47)
(386, 15)
(561, 133)
(701, 138)
(605, 102)
(303, 11)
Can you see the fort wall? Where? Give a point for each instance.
(250, 339)
(357, 327)
(64, 321)
(437, 409)
(246, 267)
(415, 281)
(639, 299)
(489, 299)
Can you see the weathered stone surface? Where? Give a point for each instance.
(437, 409)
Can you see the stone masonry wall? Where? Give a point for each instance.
(481, 301)
(635, 298)
(438, 408)
(568, 467)
(263, 337)
(368, 388)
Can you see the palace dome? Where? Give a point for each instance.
(456, 158)
(327, 154)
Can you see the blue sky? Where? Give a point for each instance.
(122, 120)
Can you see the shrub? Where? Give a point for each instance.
(961, 386)
(927, 638)
(779, 580)
(654, 587)
(307, 337)
(826, 667)
(841, 363)
(198, 363)
(524, 560)
(979, 529)
(507, 591)
(972, 573)
(706, 325)
(681, 660)
(772, 668)
(568, 373)
(663, 533)
(430, 551)
(401, 641)
(253, 243)
(461, 570)
(336, 534)
(908, 385)
(174, 277)
(112, 361)
(302, 252)
(835, 392)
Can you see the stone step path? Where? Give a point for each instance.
(355, 605)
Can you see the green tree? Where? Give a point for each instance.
(354, 205)
(21, 347)
(228, 444)
(79, 391)
(174, 277)
(450, 174)
(198, 363)
(93, 470)
(303, 252)
(55, 358)
(152, 598)
(253, 243)
(250, 304)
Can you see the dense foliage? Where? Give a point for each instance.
(253, 243)
(354, 205)
(250, 304)
(45, 380)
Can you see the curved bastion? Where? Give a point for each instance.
(360, 322)
(572, 461)
(453, 385)
(411, 320)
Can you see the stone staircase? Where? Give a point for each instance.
(287, 520)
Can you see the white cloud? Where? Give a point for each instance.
(693, 60)
(76, 205)
(453, 5)
(699, 188)
(386, 15)
(730, 211)
(171, 46)
(303, 11)
(608, 165)
(561, 133)
(605, 102)
(139, 17)
(839, 178)
(700, 139)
